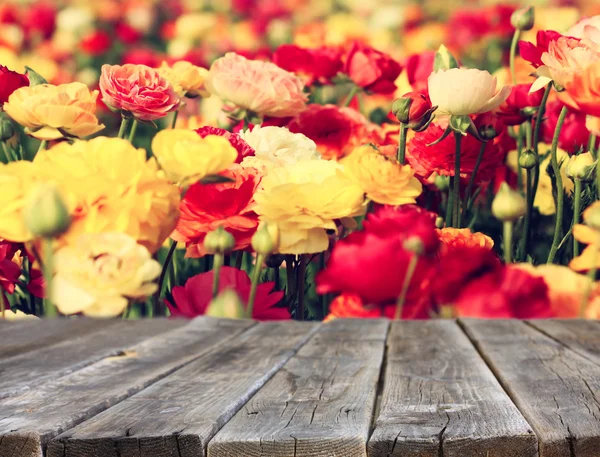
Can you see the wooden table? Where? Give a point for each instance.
(237, 388)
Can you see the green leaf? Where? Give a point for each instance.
(35, 79)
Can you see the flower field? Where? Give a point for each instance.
(299, 159)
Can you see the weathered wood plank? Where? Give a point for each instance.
(30, 420)
(178, 415)
(579, 335)
(557, 390)
(25, 371)
(319, 404)
(440, 399)
(32, 334)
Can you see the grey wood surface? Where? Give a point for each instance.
(440, 399)
(178, 415)
(79, 345)
(30, 420)
(556, 389)
(319, 404)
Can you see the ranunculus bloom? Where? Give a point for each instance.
(372, 70)
(352, 306)
(99, 273)
(110, 186)
(461, 91)
(243, 149)
(590, 256)
(259, 87)
(382, 179)
(314, 65)
(587, 29)
(416, 114)
(304, 200)
(16, 181)
(40, 18)
(51, 112)
(186, 78)
(277, 146)
(9, 271)
(230, 205)
(186, 157)
(533, 52)
(96, 43)
(584, 90)
(9, 82)
(137, 90)
(418, 67)
(192, 300)
(520, 98)
(574, 134)
(452, 238)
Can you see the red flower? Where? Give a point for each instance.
(206, 207)
(319, 64)
(532, 53)
(372, 70)
(467, 26)
(9, 82)
(141, 56)
(40, 19)
(193, 299)
(574, 134)
(439, 158)
(127, 34)
(96, 43)
(243, 149)
(418, 68)
(520, 98)
(9, 270)
(418, 113)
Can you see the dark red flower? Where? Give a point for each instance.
(9, 270)
(243, 149)
(127, 34)
(574, 134)
(418, 68)
(520, 98)
(39, 19)
(532, 53)
(193, 299)
(96, 43)
(143, 56)
(9, 82)
(314, 65)
(36, 285)
(372, 70)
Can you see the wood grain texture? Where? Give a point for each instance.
(319, 404)
(34, 334)
(557, 390)
(84, 346)
(579, 335)
(440, 399)
(30, 420)
(178, 415)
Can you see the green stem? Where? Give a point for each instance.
(134, 127)
(402, 143)
(49, 308)
(260, 258)
(473, 176)
(513, 52)
(526, 226)
(7, 154)
(456, 182)
(165, 268)
(592, 145)
(519, 152)
(576, 213)
(536, 136)
(508, 241)
(448, 218)
(528, 135)
(300, 286)
(43, 145)
(291, 280)
(410, 271)
(322, 301)
(351, 95)
(592, 277)
(125, 121)
(174, 122)
(560, 194)
(239, 259)
(217, 264)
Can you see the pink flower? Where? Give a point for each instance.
(138, 90)
(259, 87)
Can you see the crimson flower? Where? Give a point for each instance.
(314, 65)
(9, 270)
(96, 43)
(193, 299)
(9, 82)
(574, 134)
(40, 19)
(532, 53)
(418, 68)
(243, 149)
(372, 70)
(511, 110)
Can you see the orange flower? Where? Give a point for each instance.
(583, 91)
(452, 238)
(351, 306)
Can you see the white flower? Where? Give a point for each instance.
(99, 272)
(277, 146)
(461, 91)
(587, 29)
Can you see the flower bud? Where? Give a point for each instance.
(439, 222)
(274, 260)
(46, 215)
(219, 241)
(414, 244)
(265, 240)
(444, 60)
(528, 159)
(487, 132)
(591, 216)
(7, 129)
(523, 19)
(442, 182)
(581, 167)
(227, 304)
(413, 109)
(529, 111)
(508, 205)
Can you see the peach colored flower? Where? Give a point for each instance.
(260, 87)
(453, 237)
(587, 29)
(583, 90)
(137, 90)
(566, 57)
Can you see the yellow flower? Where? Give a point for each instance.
(383, 179)
(110, 186)
(544, 200)
(16, 179)
(50, 112)
(303, 200)
(185, 157)
(186, 78)
(98, 273)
